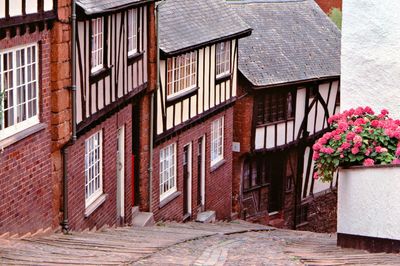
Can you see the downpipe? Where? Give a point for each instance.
(64, 151)
(156, 11)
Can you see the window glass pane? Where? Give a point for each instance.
(93, 174)
(18, 83)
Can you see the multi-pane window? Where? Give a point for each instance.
(217, 140)
(97, 42)
(275, 107)
(256, 172)
(182, 73)
(93, 168)
(223, 60)
(132, 32)
(19, 99)
(167, 171)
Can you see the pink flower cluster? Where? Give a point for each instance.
(357, 136)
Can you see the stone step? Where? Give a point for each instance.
(206, 217)
(143, 219)
(135, 211)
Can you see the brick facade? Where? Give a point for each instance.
(218, 192)
(25, 166)
(322, 213)
(327, 5)
(243, 114)
(106, 213)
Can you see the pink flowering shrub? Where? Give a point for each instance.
(357, 137)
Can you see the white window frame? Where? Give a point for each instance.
(133, 31)
(222, 58)
(97, 42)
(168, 165)
(13, 90)
(93, 168)
(217, 141)
(182, 74)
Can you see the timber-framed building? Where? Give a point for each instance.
(194, 109)
(104, 164)
(289, 71)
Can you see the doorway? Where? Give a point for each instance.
(201, 177)
(121, 174)
(187, 181)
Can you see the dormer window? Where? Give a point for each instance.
(132, 32)
(223, 60)
(97, 42)
(182, 75)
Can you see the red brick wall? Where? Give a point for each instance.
(327, 5)
(25, 167)
(322, 213)
(106, 214)
(218, 182)
(243, 116)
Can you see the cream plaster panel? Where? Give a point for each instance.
(270, 137)
(259, 139)
(289, 136)
(31, 7)
(281, 128)
(300, 98)
(48, 5)
(201, 80)
(2, 8)
(15, 8)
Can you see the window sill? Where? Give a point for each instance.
(181, 96)
(217, 165)
(100, 74)
(135, 57)
(223, 78)
(275, 122)
(170, 198)
(21, 135)
(96, 204)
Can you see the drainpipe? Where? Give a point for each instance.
(156, 12)
(65, 223)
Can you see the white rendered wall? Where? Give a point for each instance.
(371, 55)
(368, 202)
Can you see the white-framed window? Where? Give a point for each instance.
(217, 140)
(182, 73)
(132, 32)
(19, 89)
(97, 42)
(223, 58)
(93, 168)
(167, 171)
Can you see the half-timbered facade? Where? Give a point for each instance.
(112, 69)
(193, 110)
(288, 87)
(26, 184)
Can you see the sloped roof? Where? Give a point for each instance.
(187, 24)
(292, 40)
(92, 7)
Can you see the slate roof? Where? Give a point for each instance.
(100, 6)
(187, 24)
(292, 40)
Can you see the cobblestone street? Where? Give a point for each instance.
(236, 243)
(277, 247)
